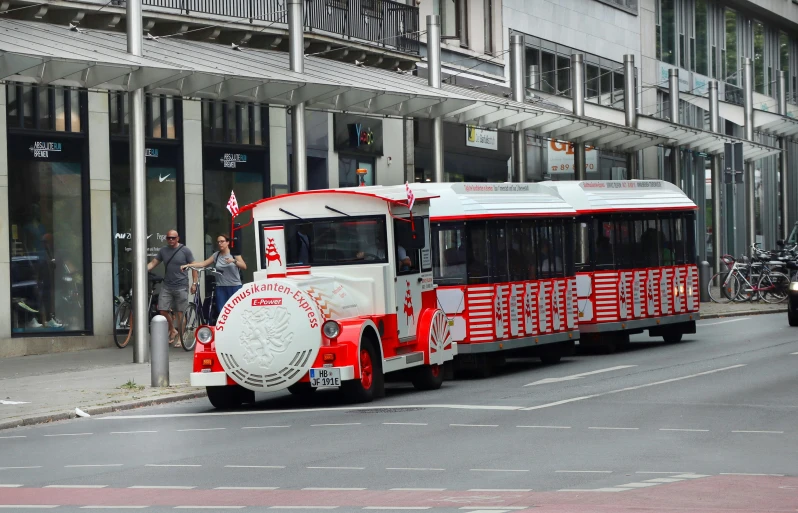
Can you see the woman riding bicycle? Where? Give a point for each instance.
(229, 267)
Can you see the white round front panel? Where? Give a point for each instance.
(268, 335)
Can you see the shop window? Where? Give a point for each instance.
(234, 122)
(44, 108)
(161, 115)
(449, 254)
(355, 171)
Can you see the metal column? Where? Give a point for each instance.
(296, 55)
(138, 193)
(717, 177)
(676, 154)
(750, 166)
(578, 101)
(519, 95)
(630, 110)
(534, 77)
(434, 80)
(783, 172)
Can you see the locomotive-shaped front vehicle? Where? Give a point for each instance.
(344, 295)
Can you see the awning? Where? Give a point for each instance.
(673, 134)
(766, 122)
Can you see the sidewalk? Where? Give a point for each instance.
(99, 381)
(96, 381)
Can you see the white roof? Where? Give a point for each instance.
(463, 200)
(622, 195)
(389, 193)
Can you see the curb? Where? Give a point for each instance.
(741, 313)
(100, 410)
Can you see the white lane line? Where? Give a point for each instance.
(113, 507)
(28, 506)
(337, 468)
(399, 508)
(793, 353)
(595, 490)
(210, 507)
(71, 434)
(500, 489)
(169, 465)
(318, 489)
(493, 509)
(473, 425)
(10, 486)
(404, 424)
(254, 466)
(746, 474)
(412, 468)
(765, 432)
(417, 489)
(76, 486)
(341, 424)
(130, 433)
(692, 476)
(738, 319)
(246, 488)
(637, 485)
(264, 427)
(615, 428)
(100, 465)
(15, 436)
(545, 427)
(578, 376)
(685, 430)
(584, 471)
(200, 429)
(19, 468)
(664, 480)
(627, 389)
(498, 470)
(161, 487)
(303, 507)
(653, 472)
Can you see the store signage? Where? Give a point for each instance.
(231, 160)
(358, 134)
(684, 77)
(481, 138)
(151, 152)
(700, 85)
(42, 149)
(561, 157)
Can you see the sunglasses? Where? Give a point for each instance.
(171, 238)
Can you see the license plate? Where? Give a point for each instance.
(325, 378)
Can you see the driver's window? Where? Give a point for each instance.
(407, 259)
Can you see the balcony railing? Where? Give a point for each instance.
(383, 23)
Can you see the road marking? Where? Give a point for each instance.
(421, 469)
(113, 507)
(664, 480)
(200, 429)
(493, 509)
(766, 432)
(686, 430)
(71, 434)
(595, 490)
(130, 432)
(210, 507)
(473, 425)
(399, 508)
(334, 489)
(303, 507)
(663, 473)
(76, 486)
(500, 489)
(637, 485)
(6, 402)
(161, 487)
(724, 322)
(691, 476)
(263, 427)
(337, 468)
(169, 465)
(254, 466)
(18, 468)
(29, 506)
(15, 436)
(637, 387)
(341, 424)
(617, 428)
(545, 427)
(417, 489)
(102, 465)
(498, 470)
(793, 353)
(10, 486)
(578, 376)
(246, 488)
(584, 471)
(745, 474)
(404, 424)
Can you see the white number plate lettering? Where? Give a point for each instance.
(325, 378)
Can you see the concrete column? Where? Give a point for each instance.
(5, 250)
(194, 237)
(434, 80)
(750, 166)
(673, 90)
(102, 280)
(278, 143)
(409, 150)
(517, 66)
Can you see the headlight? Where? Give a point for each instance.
(331, 329)
(794, 286)
(205, 335)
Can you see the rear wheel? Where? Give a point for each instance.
(229, 396)
(672, 338)
(190, 325)
(364, 390)
(723, 287)
(550, 358)
(302, 389)
(123, 324)
(428, 377)
(773, 287)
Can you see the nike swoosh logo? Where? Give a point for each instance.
(162, 178)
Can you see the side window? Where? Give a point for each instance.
(603, 244)
(623, 248)
(497, 233)
(648, 244)
(449, 253)
(690, 237)
(477, 252)
(666, 239)
(550, 246)
(298, 242)
(407, 259)
(521, 254)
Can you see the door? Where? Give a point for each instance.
(407, 272)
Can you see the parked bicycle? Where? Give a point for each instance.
(199, 312)
(123, 311)
(761, 278)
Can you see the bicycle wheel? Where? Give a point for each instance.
(773, 287)
(723, 287)
(123, 324)
(191, 321)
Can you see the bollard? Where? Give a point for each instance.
(704, 275)
(159, 351)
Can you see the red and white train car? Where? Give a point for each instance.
(503, 269)
(637, 272)
(343, 297)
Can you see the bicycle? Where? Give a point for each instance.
(737, 283)
(123, 312)
(195, 315)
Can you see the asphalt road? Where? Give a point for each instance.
(709, 424)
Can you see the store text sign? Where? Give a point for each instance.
(561, 157)
(42, 149)
(231, 160)
(479, 138)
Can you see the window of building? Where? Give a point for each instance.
(784, 56)
(731, 68)
(161, 115)
(454, 20)
(354, 171)
(43, 108)
(667, 16)
(489, 27)
(760, 81)
(564, 75)
(234, 122)
(701, 37)
(629, 6)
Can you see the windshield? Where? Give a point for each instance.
(334, 241)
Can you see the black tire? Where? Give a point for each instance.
(190, 325)
(365, 390)
(672, 338)
(123, 325)
(792, 317)
(302, 389)
(777, 285)
(550, 358)
(725, 294)
(225, 397)
(427, 377)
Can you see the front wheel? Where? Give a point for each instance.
(225, 397)
(672, 338)
(365, 389)
(190, 325)
(773, 287)
(123, 325)
(723, 287)
(427, 377)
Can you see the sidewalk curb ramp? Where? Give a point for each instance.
(100, 410)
